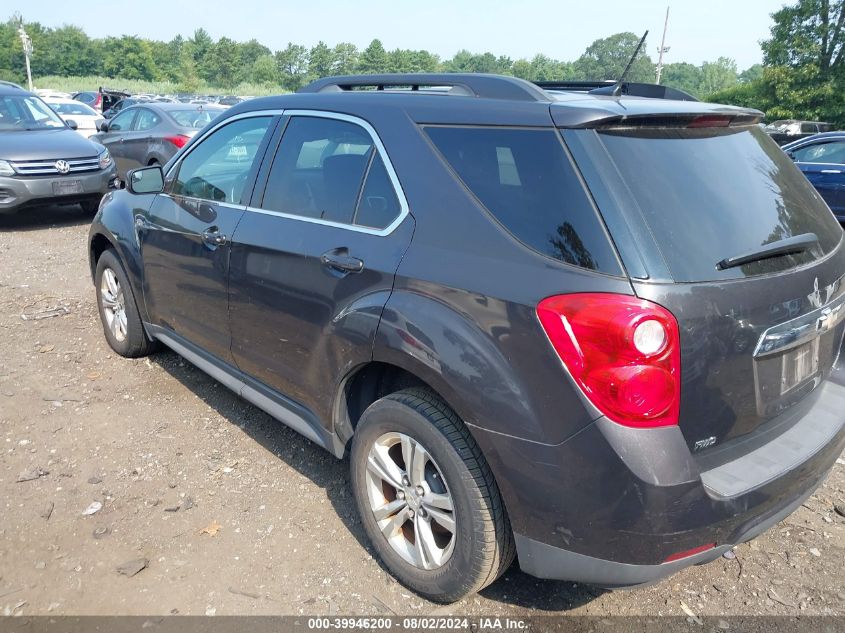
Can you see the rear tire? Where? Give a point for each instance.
(439, 553)
(118, 311)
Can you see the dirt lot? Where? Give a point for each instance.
(234, 513)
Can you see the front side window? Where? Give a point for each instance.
(821, 153)
(122, 121)
(524, 178)
(330, 170)
(217, 168)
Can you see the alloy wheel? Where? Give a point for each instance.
(113, 304)
(410, 501)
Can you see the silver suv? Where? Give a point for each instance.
(43, 161)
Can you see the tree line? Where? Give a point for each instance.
(225, 63)
(803, 73)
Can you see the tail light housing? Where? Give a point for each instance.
(178, 140)
(623, 352)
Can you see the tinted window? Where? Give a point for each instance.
(710, 194)
(525, 179)
(378, 205)
(821, 153)
(319, 169)
(218, 167)
(122, 121)
(146, 120)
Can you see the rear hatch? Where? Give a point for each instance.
(714, 222)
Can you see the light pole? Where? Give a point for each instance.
(27, 52)
(663, 48)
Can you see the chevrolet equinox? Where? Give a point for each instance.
(594, 331)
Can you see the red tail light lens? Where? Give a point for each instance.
(179, 140)
(623, 352)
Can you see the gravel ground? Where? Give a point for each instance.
(228, 511)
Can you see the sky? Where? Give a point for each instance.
(698, 31)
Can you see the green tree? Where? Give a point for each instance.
(809, 32)
(321, 61)
(752, 73)
(345, 56)
(606, 59)
(717, 76)
(221, 66)
(373, 59)
(683, 76)
(293, 66)
(264, 70)
(128, 57)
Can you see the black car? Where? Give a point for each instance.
(598, 333)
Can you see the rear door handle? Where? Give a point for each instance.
(213, 237)
(831, 171)
(340, 260)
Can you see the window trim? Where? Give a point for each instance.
(404, 210)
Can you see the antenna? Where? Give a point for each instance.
(617, 87)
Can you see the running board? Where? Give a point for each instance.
(286, 411)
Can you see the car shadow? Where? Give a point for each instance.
(332, 475)
(38, 218)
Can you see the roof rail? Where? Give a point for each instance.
(463, 84)
(633, 89)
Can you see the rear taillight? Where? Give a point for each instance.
(623, 352)
(179, 140)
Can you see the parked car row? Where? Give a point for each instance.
(110, 102)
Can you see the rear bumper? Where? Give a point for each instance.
(17, 193)
(610, 505)
(546, 561)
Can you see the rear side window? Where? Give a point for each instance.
(711, 194)
(329, 169)
(526, 181)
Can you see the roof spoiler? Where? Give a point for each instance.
(632, 89)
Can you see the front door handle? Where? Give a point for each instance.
(213, 237)
(340, 260)
(831, 171)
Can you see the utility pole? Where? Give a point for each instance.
(27, 51)
(663, 48)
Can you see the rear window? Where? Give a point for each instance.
(526, 180)
(195, 118)
(711, 194)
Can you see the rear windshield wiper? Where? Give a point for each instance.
(788, 246)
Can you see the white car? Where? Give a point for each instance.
(84, 116)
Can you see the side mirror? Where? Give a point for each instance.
(145, 180)
(72, 124)
(102, 126)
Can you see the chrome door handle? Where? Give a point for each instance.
(213, 237)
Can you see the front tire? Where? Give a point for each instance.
(118, 311)
(427, 497)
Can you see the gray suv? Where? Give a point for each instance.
(43, 161)
(597, 333)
